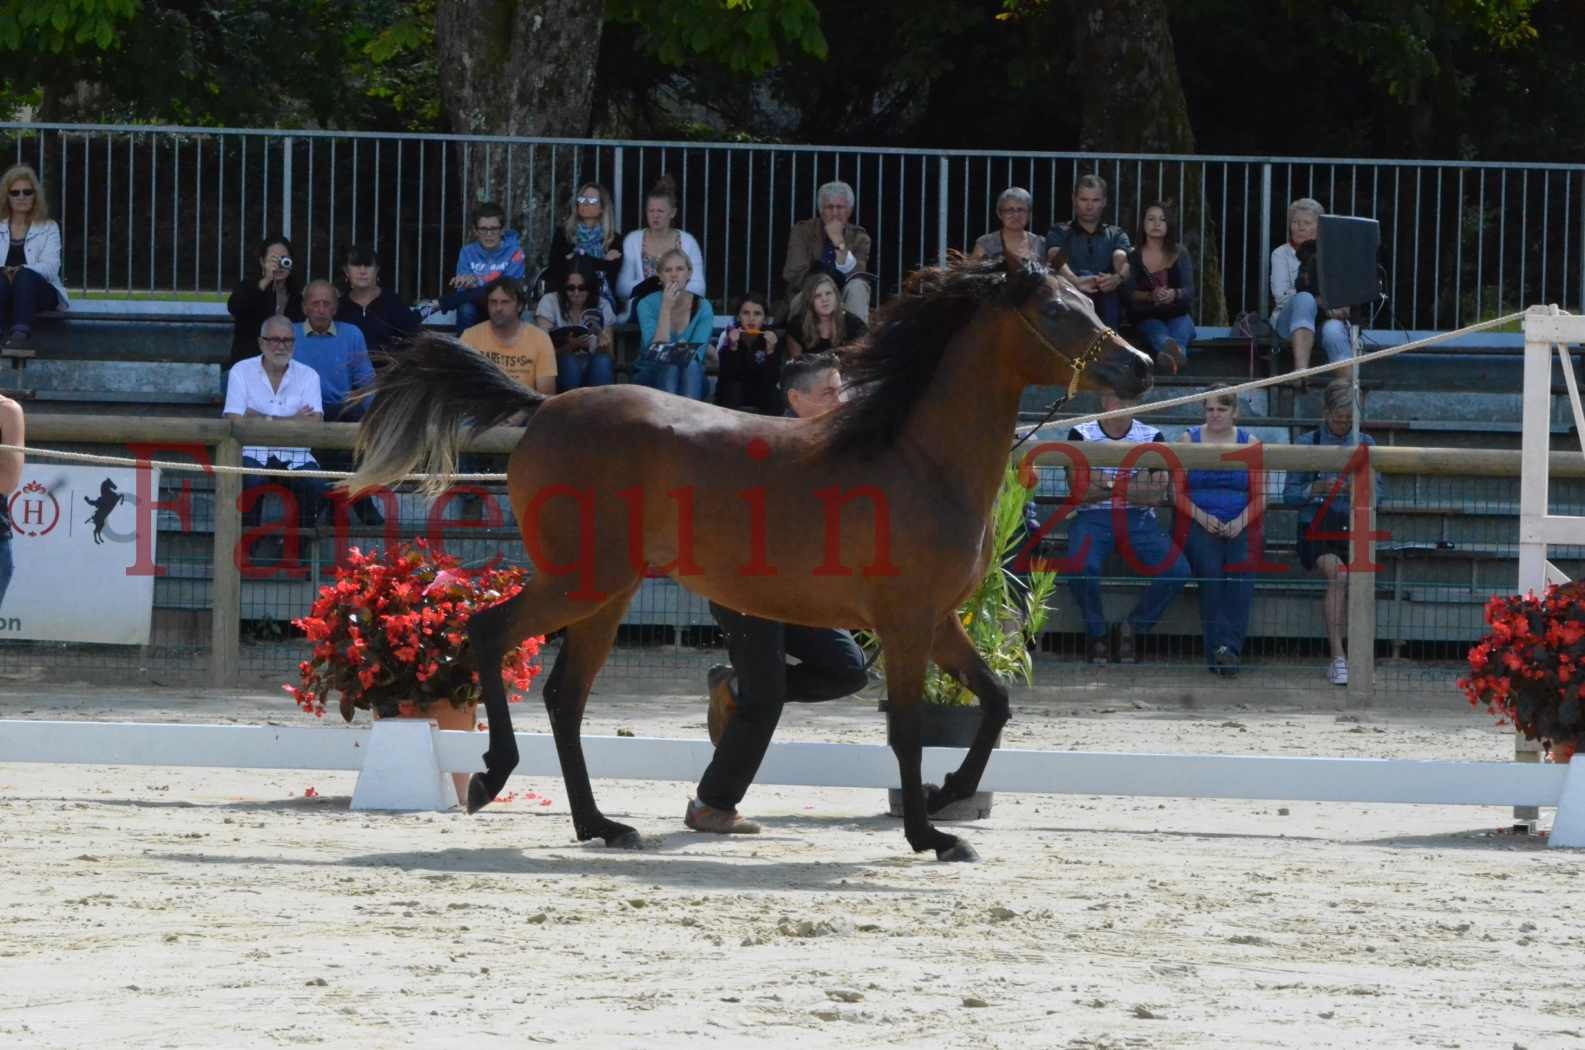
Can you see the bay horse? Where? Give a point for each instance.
(872, 515)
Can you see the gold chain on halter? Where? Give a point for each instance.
(1080, 363)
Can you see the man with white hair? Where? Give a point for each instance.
(336, 352)
(276, 386)
(830, 243)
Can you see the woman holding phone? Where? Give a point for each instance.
(749, 358)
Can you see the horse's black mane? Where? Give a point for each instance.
(890, 370)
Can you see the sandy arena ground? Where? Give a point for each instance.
(152, 907)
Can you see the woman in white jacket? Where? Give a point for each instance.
(30, 243)
(1297, 309)
(642, 249)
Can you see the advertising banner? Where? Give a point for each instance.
(73, 532)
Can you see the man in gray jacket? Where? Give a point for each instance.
(830, 243)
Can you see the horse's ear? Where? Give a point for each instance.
(1022, 281)
(1056, 259)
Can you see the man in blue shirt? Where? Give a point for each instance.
(1097, 254)
(341, 357)
(336, 351)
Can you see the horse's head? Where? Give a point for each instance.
(1068, 345)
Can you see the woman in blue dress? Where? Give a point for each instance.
(1218, 505)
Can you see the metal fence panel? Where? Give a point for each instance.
(162, 210)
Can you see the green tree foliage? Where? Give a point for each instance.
(57, 26)
(1471, 78)
(745, 37)
(246, 62)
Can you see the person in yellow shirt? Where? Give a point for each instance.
(521, 349)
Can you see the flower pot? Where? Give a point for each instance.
(445, 715)
(947, 725)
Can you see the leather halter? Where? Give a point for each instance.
(1077, 364)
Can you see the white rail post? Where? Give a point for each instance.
(942, 212)
(286, 191)
(1544, 328)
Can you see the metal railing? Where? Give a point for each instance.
(173, 209)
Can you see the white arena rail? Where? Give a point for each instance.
(402, 766)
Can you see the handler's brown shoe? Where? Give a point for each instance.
(723, 701)
(701, 817)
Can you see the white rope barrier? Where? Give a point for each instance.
(215, 468)
(1288, 377)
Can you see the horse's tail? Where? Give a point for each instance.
(427, 402)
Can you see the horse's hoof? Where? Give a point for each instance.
(960, 852)
(478, 794)
(936, 799)
(627, 838)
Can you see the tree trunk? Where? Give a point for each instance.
(1133, 103)
(519, 67)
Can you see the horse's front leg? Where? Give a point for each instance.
(905, 683)
(954, 653)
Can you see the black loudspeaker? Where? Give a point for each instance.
(1345, 260)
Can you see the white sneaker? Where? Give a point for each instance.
(1337, 674)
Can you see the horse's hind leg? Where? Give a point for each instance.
(584, 649)
(954, 653)
(905, 684)
(539, 608)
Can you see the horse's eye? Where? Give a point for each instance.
(1053, 307)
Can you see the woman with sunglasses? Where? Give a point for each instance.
(589, 230)
(579, 323)
(31, 244)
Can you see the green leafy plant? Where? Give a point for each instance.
(1004, 614)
